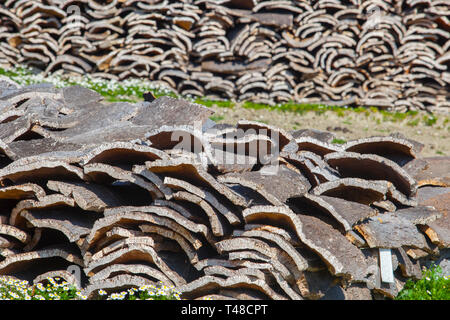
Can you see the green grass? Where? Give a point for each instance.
(434, 285)
(338, 141)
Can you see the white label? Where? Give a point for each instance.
(387, 274)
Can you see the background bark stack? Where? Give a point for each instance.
(386, 53)
(134, 194)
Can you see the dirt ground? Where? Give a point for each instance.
(350, 125)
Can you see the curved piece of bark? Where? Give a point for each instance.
(74, 226)
(287, 235)
(240, 154)
(312, 165)
(41, 170)
(184, 137)
(439, 230)
(397, 149)
(432, 171)
(316, 146)
(64, 274)
(115, 153)
(133, 269)
(276, 188)
(175, 206)
(47, 202)
(38, 147)
(300, 262)
(354, 189)
(37, 235)
(15, 233)
(218, 270)
(328, 243)
(166, 213)
(131, 253)
(218, 228)
(177, 184)
(89, 197)
(104, 173)
(189, 171)
(347, 213)
(171, 112)
(167, 233)
(391, 231)
(136, 217)
(153, 178)
(19, 262)
(115, 284)
(280, 136)
(206, 284)
(21, 192)
(154, 241)
(372, 167)
(257, 247)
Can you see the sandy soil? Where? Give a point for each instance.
(350, 125)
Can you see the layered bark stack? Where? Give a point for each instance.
(385, 53)
(134, 194)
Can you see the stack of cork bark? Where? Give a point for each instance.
(136, 194)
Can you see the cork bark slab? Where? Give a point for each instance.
(207, 284)
(439, 230)
(103, 173)
(354, 189)
(41, 170)
(390, 231)
(399, 150)
(171, 111)
(190, 171)
(21, 192)
(130, 269)
(116, 153)
(334, 249)
(89, 197)
(347, 213)
(277, 188)
(432, 171)
(316, 146)
(132, 253)
(372, 167)
(176, 184)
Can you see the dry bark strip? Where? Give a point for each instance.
(276, 188)
(334, 248)
(372, 167)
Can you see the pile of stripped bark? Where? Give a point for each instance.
(137, 194)
(385, 53)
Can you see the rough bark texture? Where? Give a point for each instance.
(389, 54)
(110, 191)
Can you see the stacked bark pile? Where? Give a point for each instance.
(386, 53)
(134, 194)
